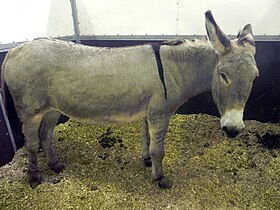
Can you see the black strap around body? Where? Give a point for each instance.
(156, 48)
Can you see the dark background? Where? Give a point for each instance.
(263, 104)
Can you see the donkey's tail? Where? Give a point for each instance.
(12, 120)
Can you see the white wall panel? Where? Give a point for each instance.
(21, 20)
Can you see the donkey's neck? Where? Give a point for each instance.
(189, 66)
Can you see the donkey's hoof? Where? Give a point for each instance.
(148, 162)
(56, 167)
(35, 181)
(165, 183)
(34, 184)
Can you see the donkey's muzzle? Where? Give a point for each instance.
(232, 123)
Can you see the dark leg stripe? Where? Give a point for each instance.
(156, 48)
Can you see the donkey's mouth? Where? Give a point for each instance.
(230, 133)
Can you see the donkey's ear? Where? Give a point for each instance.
(246, 36)
(218, 39)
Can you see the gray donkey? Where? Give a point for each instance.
(98, 85)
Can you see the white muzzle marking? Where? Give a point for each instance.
(232, 121)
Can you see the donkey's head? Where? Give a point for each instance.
(234, 74)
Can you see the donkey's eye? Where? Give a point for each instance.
(223, 77)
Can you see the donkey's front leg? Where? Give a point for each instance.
(157, 130)
(146, 145)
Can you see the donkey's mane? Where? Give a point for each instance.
(173, 42)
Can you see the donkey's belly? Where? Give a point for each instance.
(123, 117)
(115, 118)
(98, 110)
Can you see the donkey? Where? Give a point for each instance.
(48, 77)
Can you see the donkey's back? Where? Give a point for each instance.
(103, 84)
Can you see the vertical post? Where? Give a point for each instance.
(75, 21)
(177, 18)
(10, 133)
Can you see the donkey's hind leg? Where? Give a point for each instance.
(46, 130)
(30, 127)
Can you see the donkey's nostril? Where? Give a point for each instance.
(225, 129)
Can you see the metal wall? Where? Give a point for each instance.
(6, 147)
(263, 104)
